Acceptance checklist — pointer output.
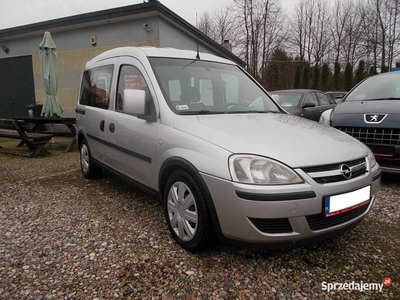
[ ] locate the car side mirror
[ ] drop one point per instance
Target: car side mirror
(309, 104)
(134, 102)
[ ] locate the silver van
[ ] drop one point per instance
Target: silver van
(225, 160)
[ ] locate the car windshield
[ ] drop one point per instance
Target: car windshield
(377, 88)
(202, 87)
(287, 99)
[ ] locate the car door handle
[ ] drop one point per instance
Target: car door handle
(102, 125)
(111, 127)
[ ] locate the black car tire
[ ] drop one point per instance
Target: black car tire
(89, 169)
(186, 212)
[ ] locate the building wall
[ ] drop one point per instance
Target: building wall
(74, 49)
(170, 36)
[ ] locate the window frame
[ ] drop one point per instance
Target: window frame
(108, 85)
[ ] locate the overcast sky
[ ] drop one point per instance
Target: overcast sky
(21, 12)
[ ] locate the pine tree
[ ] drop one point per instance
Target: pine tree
(348, 77)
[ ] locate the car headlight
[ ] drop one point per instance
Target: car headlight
(260, 170)
(325, 117)
(371, 158)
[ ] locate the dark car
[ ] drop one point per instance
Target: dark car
(309, 104)
(336, 95)
(370, 112)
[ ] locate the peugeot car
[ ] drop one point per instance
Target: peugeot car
(370, 112)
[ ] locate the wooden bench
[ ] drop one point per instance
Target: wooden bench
(13, 129)
(39, 124)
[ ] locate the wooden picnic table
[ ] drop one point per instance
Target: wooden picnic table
(15, 129)
(39, 122)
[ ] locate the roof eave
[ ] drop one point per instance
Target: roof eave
(120, 12)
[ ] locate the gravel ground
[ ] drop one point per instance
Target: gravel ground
(64, 237)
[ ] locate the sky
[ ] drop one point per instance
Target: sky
(22, 12)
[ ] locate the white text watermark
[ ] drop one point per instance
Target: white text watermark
(356, 286)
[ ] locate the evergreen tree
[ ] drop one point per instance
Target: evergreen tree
(336, 77)
(306, 77)
(372, 71)
(385, 69)
(316, 78)
(348, 77)
(297, 78)
(360, 73)
(325, 77)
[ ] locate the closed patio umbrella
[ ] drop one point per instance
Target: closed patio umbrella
(48, 64)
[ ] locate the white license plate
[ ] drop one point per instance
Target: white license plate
(338, 204)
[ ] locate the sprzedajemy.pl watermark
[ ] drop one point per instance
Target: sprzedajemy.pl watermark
(356, 286)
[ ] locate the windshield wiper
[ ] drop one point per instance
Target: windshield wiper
(389, 98)
(209, 112)
(199, 112)
(251, 112)
(374, 99)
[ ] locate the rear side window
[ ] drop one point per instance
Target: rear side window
(95, 89)
(323, 99)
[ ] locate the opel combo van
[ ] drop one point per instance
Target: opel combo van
(225, 160)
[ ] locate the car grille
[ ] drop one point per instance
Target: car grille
(332, 173)
(318, 222)
(272, 225)
(373, 135)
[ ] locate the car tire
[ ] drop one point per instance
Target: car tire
(186, 212)
(89, 169)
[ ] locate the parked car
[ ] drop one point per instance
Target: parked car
(336, 95)
(224, 159)
(370, 112)
(309, 104)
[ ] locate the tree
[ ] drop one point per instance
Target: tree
(297, 78)
(261, 32)
(325, 77)
(360, 72)
(306, 77)
(348, 77)
(336, 77)
(278, 71)
(224, 25)
(316, 78)
(322, 37)
(380, 22)
(206, 24)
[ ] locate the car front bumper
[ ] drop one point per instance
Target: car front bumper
(288, 213)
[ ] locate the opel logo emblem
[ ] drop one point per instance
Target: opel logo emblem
(346, 171)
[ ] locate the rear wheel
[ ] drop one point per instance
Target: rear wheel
(89, 169)
(186, 212)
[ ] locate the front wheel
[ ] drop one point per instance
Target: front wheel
(186, 212)
(89, 169)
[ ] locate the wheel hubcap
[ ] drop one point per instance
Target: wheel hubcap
(182, 211)
(84, 158)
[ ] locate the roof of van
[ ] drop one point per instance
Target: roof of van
(141, 52)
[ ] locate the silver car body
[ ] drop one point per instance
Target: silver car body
(140, 150)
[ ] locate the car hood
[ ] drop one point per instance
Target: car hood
(352, 113)
(295, 141)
